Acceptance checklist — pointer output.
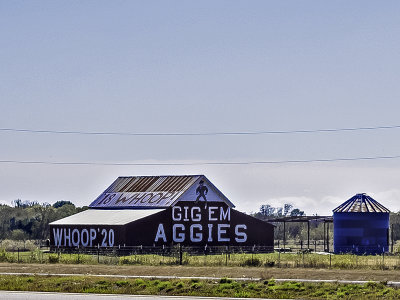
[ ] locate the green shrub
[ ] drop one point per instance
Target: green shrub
(3, 255)
(140, 283)
(121, 283)
(271, 282)
(252, 286)
(164, 285)
(196, 286)
(128, 261)
(225, 280)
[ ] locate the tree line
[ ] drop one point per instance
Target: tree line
(29, 220)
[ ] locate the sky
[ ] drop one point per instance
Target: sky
(201, 67)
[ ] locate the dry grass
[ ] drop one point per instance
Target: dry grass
(283, 260)
(232, 272)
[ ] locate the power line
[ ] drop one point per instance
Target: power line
(227, 133)
(199, 163)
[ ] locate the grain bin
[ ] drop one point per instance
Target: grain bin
(361, 226)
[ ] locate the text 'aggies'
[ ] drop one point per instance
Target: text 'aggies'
(216, 229)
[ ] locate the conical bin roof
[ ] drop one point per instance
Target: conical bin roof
(361, 203)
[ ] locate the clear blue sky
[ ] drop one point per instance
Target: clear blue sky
(202, 66)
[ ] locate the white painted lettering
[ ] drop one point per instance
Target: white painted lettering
(186, 213)
(178, 215)
(93, 235)
(196, 237)
(75, 242)
(67, 237)
(222, 231)
(181, 236)
(111, 237)
(196, 217)
(85, 241)
(57, 234)
(210, 227)
(104, 234)
(241, 237)
(211, 212)
(225, 215)
(160, 233)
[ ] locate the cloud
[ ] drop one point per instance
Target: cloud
(389, 199)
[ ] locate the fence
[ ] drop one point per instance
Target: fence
(203, 256)
(301, 245)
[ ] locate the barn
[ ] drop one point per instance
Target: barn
(154, 211)
(361, 226)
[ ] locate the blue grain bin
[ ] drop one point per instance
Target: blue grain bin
(361, 226)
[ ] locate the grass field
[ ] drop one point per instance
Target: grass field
(224, 287)
(267, 267)
(202, 271)
(281, 260)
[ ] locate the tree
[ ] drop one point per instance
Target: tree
(40, 226)
(267, 210)
(23, 204)
(287, 208)
(30, 219)
(61, 203)
(296, 212)
(17, 203)
(19, 235)
(279, 211)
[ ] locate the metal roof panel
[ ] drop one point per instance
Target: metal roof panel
(152, 192)
(361, 203)
(106, 217)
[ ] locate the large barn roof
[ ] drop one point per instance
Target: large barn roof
(361, 203)
(104, 217)
(156, 192)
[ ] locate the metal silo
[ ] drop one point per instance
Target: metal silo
(361, 226)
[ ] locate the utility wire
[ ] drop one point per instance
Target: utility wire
(25, 130)
(199, 163)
